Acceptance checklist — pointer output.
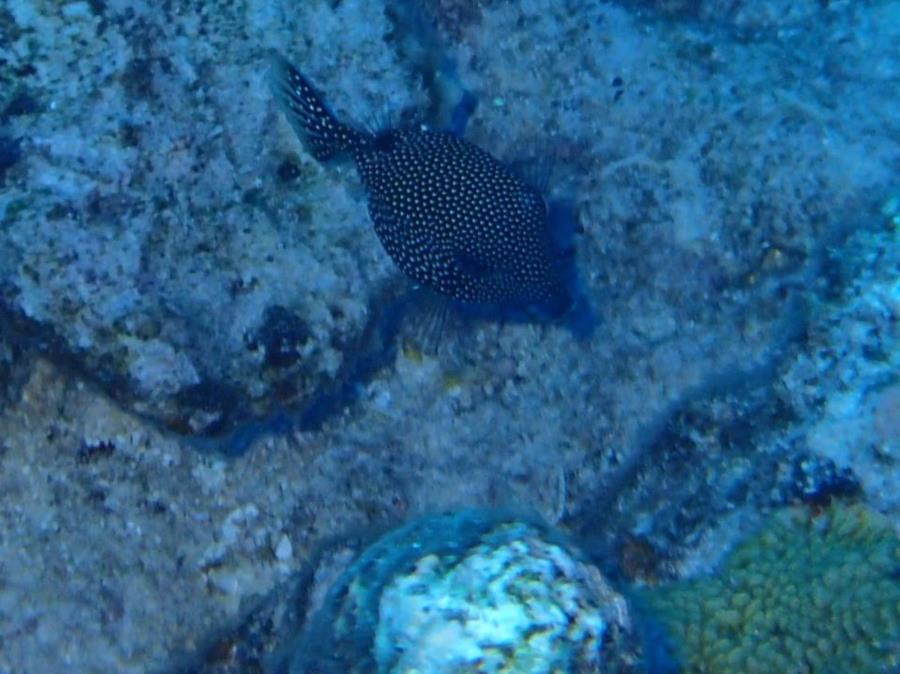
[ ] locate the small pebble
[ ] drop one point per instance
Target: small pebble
(284, 550)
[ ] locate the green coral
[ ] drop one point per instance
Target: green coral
(811, 594)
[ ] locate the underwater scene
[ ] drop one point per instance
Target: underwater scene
(450, 337)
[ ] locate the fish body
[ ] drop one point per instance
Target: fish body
(451, 216)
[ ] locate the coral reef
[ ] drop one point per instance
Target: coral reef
(167, 247)
(468, 592)
(156, 212)
(812, 593)
(147, 235)
(844, 384)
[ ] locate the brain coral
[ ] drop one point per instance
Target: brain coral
(808, 595)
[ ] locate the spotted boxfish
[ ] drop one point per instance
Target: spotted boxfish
(451, 216)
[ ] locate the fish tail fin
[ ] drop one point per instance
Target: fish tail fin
(321, 132)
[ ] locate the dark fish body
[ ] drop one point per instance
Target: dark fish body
(452, 217)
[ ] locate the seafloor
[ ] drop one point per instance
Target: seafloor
(210, 369)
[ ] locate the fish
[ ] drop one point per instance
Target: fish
(450, 215)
